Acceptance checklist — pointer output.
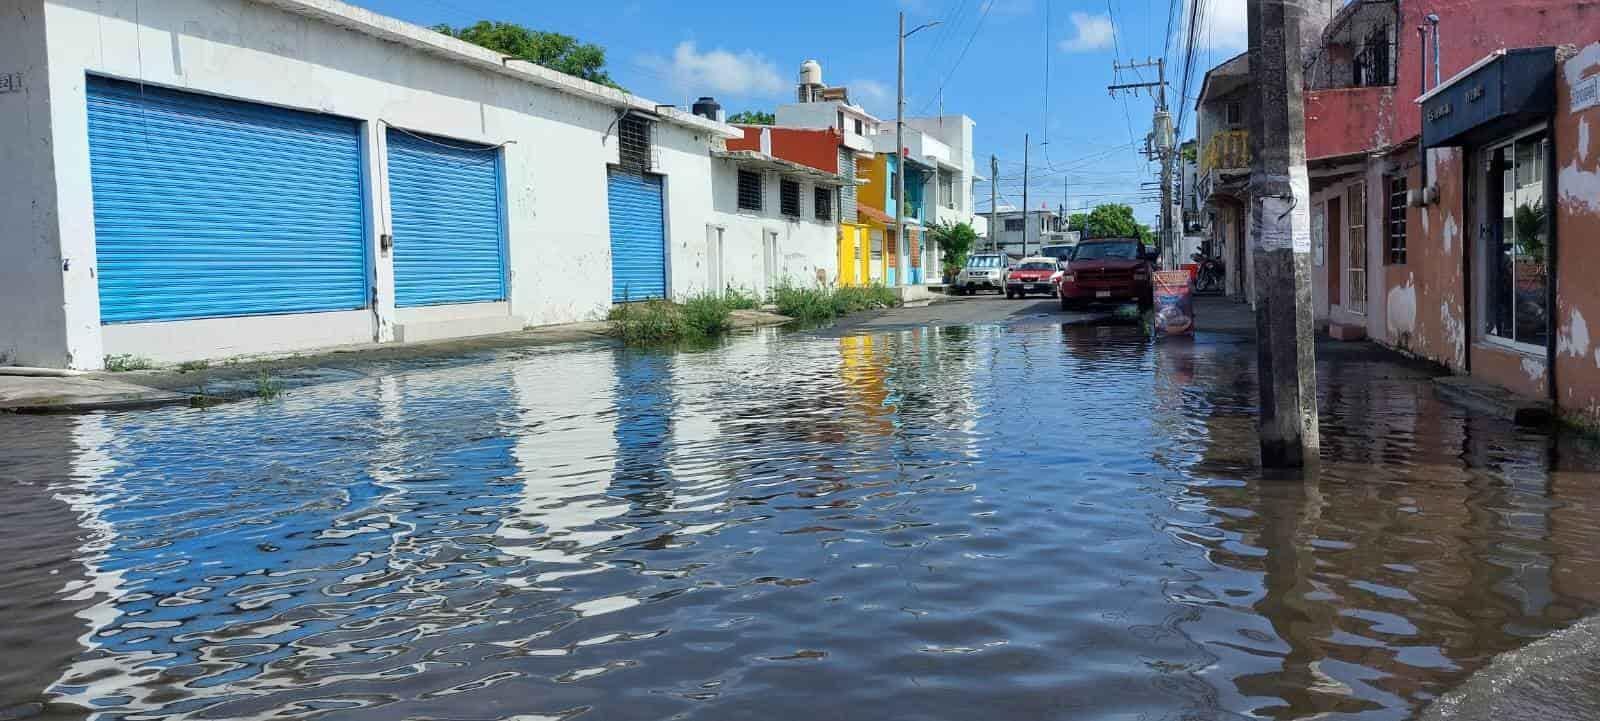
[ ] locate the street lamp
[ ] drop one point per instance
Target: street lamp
(899, 142)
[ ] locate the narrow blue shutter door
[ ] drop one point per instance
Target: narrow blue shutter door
(444, 197)
(205, 207)
(638, 236)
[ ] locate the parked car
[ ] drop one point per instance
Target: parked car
(1108, 270)
(1057, 251)
(1031, 275)
(984, 271)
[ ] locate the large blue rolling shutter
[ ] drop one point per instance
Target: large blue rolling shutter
(206, 207)
(444, 196)
(638, 236)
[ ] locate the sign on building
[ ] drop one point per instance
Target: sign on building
(11, 83)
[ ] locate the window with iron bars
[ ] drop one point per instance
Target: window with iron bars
(822, 200)
(789, 198)
(1397, 220)
(947, 190)
(1373, 64)
(633, 143)
(749, 190)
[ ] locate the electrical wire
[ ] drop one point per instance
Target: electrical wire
(987, 6)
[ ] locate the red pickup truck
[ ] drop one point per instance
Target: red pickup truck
(1107, 270)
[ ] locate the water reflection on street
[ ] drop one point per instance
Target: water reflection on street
(1001, 522)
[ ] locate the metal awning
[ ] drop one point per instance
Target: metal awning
(762, 161)
(1504, 91)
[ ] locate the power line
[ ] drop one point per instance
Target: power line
(987, 6)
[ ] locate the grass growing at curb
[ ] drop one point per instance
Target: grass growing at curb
(705, 315)
(815, 305)
(191, 366)
(267, 388)
(127, 362)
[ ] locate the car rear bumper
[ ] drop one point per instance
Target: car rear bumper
(1105, 293)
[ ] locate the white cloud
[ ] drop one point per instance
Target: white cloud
(1224, 26)
(869, 91)
(720, 71)
(1091, 32)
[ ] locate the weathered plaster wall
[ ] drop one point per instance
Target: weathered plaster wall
(804, 245)
(34, 272)
(1433, 281)
(1577, 150)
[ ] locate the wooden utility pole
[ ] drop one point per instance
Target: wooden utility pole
(1025, 224)
(1280, 236)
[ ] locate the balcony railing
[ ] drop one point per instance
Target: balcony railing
(1226, 150)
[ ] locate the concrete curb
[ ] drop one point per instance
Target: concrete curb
(1556, 678)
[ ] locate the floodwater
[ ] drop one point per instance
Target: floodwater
(998, 522)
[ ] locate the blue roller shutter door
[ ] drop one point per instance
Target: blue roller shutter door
(444, 197)
(638, 236)
(205, 207)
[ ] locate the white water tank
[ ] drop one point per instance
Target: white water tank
(811, 73)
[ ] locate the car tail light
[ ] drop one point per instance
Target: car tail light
(1068, 278)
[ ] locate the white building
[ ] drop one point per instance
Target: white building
(776, 222)
(1019, 236)
(951, 192)
(194, 179)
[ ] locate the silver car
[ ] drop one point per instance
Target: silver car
(984, 271)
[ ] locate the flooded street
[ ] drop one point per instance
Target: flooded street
(1025, 521)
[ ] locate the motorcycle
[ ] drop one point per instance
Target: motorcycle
(1210, 277)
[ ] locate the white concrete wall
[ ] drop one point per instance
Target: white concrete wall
(805, 245)
(826, 115)
(555, 162)
(35, 274)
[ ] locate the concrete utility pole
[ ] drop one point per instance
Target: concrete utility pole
(994, 209)
(901, 263)
(1025, 224)
(1161, 145)
(1280, 235)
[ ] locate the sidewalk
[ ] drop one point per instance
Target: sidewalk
(238, 379)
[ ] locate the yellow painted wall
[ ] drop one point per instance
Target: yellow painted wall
(875, 191)
(854, 254)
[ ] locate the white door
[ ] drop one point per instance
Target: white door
(714, 282)
(769, 259)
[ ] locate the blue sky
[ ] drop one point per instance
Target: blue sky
(747, 54)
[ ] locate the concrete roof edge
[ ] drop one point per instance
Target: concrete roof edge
(779, 165)
(383, 27)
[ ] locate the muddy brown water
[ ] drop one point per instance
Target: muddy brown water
(999, 522)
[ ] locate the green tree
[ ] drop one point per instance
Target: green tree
(1112, 220)
(562, 53)
(753, 117)
(955, 242)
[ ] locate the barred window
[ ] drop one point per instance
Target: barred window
(1397, 220)
(789, 198)
(749, 190)
(633, 138)
(823, 198)
(1014, 225)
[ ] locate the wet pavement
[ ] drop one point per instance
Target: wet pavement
(1015, 520)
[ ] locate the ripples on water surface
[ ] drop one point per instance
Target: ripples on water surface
(1002, 523)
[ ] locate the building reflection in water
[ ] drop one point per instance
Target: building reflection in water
(1420, 549)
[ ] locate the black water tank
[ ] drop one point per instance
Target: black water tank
(706, 107)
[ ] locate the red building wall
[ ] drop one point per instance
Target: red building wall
(1344, 121)
(1577, 149)
(814, 148)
